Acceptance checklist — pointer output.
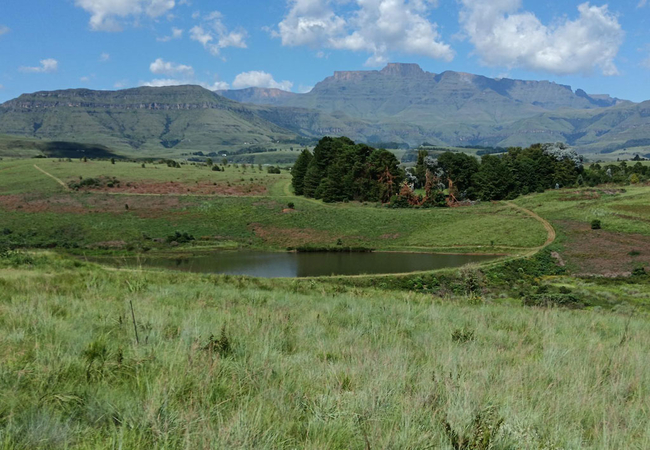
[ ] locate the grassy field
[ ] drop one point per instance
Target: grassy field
(442, 360)
(622, 243)
(233, 363)
(246, 206)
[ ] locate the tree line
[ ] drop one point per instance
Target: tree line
(340, 170)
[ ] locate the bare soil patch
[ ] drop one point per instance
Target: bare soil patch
(601, 252)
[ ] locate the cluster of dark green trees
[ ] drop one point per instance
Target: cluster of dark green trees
(497, 177)
(340, 170)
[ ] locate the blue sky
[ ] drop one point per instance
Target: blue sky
(111, 44)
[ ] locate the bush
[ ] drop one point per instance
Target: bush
(595, 224)
(551, 300)
(180, 238)
(639, 272)
(291, 205)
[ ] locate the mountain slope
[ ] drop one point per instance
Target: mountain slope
(146, 120)
(401, 104)
(407, 93)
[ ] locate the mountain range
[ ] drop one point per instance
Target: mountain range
(400, 103)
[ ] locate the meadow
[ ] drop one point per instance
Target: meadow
(93, 357)
(242, 207)
(224, 362)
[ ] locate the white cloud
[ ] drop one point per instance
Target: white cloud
(642, 3)
(104, 57)
(214, 35)
(48, 65)
(504, 36)
(84, 79)
(1, 87)
(121, 84)
(161, 67)
(302, 89)
(378, 27)
(160, 82)
(259, 79)
(4, 29)
(178, 74)
(177, 33)
(107, 15)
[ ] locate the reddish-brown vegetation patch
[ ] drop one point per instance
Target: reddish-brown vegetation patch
(642, 210)
(108, 245)
(576, 196)
(142, 206)
(178, 188)
(600, 252)
(291, 237)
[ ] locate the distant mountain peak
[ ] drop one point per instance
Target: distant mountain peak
(402, 69)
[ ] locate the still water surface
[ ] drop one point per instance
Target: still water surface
(276, 265)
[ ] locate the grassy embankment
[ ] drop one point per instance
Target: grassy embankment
(231, 208)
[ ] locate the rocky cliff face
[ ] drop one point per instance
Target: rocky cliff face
(144, 98)
(407, 90)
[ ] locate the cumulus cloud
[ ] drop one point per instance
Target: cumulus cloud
(177, 33)
(104, 57)
(378, 27)
(162, 67)
(48, 65)
(505, 36)
(259, 79)
(4, 29)
(215, 36)
(161, 82)
(84, 79)
(107, 15)
(178, 74)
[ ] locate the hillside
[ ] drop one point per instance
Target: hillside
(143, 120)
(401, 104)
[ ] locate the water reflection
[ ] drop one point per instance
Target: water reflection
(275, 265)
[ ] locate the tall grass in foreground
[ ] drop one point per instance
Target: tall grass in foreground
(224, 364)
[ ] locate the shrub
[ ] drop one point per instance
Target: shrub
(179, 237)
(291, 205)
(551, 300)
(595, 224)
(639, 272)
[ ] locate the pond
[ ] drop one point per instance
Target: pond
(291, 265)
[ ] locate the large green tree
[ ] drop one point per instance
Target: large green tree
(341, 170)
(299, 170)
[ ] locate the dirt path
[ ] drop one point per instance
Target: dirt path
(550, 231)
(53, 177)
